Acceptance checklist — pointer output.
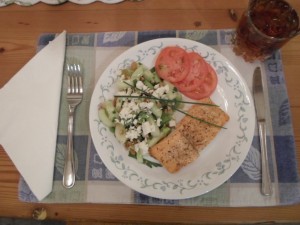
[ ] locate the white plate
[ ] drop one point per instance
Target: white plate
(217, 162)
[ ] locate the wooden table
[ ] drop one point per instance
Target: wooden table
(20, 28)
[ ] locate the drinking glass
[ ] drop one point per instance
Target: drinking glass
(265, 27)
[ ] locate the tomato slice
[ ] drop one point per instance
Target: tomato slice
(198, 70)
(206, 88)
(172, 64)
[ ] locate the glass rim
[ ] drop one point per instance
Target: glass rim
(265, 35)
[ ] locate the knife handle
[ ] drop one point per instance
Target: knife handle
(266, 180)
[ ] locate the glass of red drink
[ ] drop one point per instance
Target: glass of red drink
(264, 28)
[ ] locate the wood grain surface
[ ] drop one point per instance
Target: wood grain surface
(20, 28)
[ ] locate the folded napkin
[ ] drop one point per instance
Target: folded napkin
(29, 116)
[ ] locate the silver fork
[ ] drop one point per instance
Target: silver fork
(74, 97)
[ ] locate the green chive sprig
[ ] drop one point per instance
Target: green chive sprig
(150, 96)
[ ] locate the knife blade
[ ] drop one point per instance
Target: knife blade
(259, 101)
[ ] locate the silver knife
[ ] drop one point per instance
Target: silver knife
(258, 94)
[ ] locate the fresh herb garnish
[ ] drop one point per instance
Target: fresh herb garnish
(149, 96)
(201, 120)
(165, 100)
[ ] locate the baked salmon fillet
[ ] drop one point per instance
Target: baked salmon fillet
(190, 136)
(174, 151)
(200, 134)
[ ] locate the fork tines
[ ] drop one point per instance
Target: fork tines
(75, 84)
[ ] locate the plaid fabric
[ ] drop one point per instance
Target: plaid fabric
(96, 184)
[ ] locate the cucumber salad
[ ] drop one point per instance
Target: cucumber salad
(141, 112)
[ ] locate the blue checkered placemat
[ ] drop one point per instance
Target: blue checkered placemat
(96, 184)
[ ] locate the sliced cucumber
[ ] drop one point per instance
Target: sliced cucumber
(178, 97)
(172, 93)
(149, 76)
(171, 86)
(142, 117)
(137, 73)
(156, 111)
(163, 133)
(156, 131)
(139, 156)
(148, 84)
(166, 118)
(156, 78)
(119, 103)
(104, 118)
(110, 109)
(121, 85)
(120, 133)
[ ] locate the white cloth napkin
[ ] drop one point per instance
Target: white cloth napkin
(29, 113)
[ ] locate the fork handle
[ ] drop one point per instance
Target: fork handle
(69, 168)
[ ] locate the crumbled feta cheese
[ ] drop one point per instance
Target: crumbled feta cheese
(146, 105)
(161, 91)
(156, 86)
(132, 134)
(147, 128)
(139, 129)
(129, 110)
(119, 121)
(124, 113)
(143, 146)
(134, 106)
(141, 85)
